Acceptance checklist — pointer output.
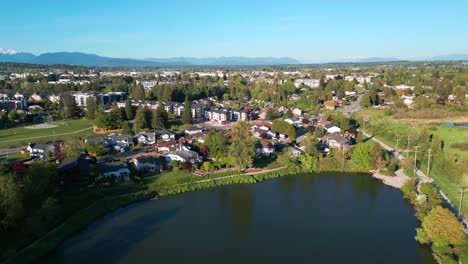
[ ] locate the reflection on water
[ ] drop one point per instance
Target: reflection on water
(327, 218)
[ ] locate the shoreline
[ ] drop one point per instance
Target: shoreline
(396, 181)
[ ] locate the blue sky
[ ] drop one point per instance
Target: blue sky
(310, 31)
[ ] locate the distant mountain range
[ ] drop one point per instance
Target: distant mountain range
(78, 58)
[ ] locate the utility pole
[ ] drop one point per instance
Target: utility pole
(415, 158)
(462, 193)
(429, 163)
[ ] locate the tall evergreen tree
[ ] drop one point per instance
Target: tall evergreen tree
(128, 110)
(162, 113)
(138, 92)
(70, 108)
(156, 121)
(91, 107)
(142, 120)
(187, 114)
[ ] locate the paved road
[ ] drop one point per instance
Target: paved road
(9, 151)
(354, 106)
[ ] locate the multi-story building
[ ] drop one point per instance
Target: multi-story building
(218, 115)
(101, 98)
(312, 83)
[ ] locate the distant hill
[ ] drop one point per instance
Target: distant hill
(17, 57)
(79, 58)
(226, 61)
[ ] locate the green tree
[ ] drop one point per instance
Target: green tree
(187, 114)
(11, 207)
(91, 107)
(361, 155)
(70, 108)
(126, 129)
(13, 115)
(162, 113)
(138, 92)
(129, 110)
(116, 117)
(284, 127)
(141, 118)
(270, 114)
(72, 148)
(365, 101)
(309, 163)
(102, 120)
(216, 143)
(96, 148)
(242, 149)
(40, 182)
(157, 122)
(441, 228)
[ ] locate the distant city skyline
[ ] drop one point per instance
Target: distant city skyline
(309, 31)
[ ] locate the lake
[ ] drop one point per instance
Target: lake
(325, 218)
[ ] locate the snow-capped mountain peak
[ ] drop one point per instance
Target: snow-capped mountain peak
(8, 51)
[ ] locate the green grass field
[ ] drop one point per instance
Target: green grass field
(385, 127)
(19, 136)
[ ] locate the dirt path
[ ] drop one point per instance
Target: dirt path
(232, 176)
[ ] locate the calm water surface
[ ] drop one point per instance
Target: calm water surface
(327, 218)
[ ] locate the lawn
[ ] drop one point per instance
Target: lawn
(19, 136)
(170, 178)
(385, 128)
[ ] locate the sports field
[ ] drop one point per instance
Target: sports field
(62, 129)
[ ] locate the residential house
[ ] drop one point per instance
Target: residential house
(296, 151)
(332, 129)
(166, 135)
(146, 138)
(54, 98)
(335, 140)
(297, 112)
(74, 169)
(184, 156)
(167, 146)
(106, 142)
(39, 149)
(122, 142)
(264, 148)
(294, 121)
(119, 170)
(145, 164)
(194, 131)
(35, 97)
